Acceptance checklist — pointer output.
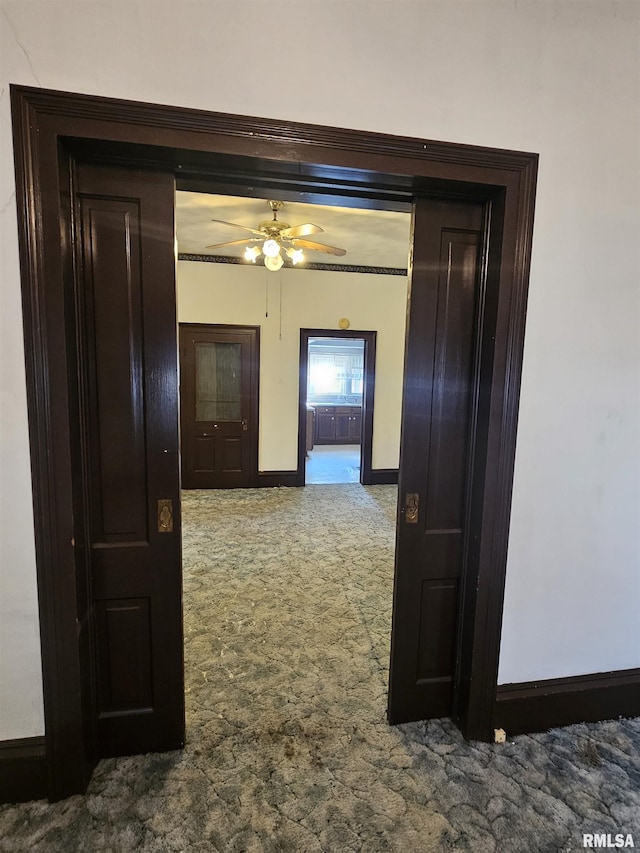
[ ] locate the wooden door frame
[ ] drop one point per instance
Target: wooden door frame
(327, 165)
(255, 383)
(368, 396)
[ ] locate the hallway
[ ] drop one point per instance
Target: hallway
(287, 625)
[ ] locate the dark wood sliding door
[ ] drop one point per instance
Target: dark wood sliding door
(126, 356)
(435, 452)
(219, 372)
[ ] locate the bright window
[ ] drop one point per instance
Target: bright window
(335, 369)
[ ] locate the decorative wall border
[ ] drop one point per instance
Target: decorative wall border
(226, 259)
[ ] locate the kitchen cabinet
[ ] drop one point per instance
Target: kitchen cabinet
(325, 424)
(338, 424)
(355, 429)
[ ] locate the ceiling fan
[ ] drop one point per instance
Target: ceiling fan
(272, 238)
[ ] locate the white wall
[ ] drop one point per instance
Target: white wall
(559, 78)
(225, 293)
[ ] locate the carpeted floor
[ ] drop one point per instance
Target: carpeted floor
(287, 620)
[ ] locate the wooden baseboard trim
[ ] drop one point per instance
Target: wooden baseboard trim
(23, 770)
(536, 706)
(272, 479)
(382, 477)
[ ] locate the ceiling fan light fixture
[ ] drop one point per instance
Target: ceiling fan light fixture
(274, 239)
(271, 249)
(251, 253)
(273, 264)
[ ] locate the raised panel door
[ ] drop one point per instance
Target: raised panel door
(219, 370)
(125, 304)
(437, 407)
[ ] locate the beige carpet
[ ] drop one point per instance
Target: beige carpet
(287, 621)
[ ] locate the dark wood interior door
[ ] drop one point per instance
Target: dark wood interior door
(219, 372)
(435, 449)
(126, 355)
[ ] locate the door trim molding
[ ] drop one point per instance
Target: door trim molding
(329, 165)
(368, 397)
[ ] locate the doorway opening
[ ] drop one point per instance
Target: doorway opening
(313, 550)
(336, 406)
(54, 132)
(335, 385)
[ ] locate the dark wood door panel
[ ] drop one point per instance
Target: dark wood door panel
(436, 649)
(232, 454)
(124, 655)
(453, 373)
(219, 370)
(438, 607)
(113, 317)
(437, 409)
(122, 569)
(127, 358)
(205, 454)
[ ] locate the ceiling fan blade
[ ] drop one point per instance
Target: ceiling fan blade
(237, 225)
(230, 243)
(318, 247)
(301, 230)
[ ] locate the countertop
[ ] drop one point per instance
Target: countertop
(333, 403)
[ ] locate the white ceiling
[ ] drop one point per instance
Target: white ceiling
(375, 238)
